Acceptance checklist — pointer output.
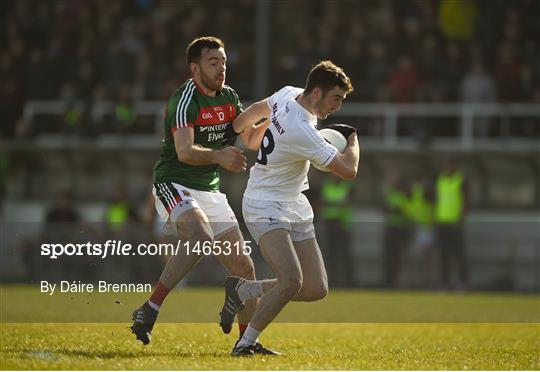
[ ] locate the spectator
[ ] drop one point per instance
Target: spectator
(37, 76)
(337, 213)
(74, 109)
(116, 66)
(404, 80)
(419, 208)
(450, 211)
(124, 113)
(454, 68)
(11, 94)
(376, 72)
(62, 210)
(397, 230)
(429, 62)
(507, 74)
(117, 213)
(457, 19)
(479, 87)
(61, 222)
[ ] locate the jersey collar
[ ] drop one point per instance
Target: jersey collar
(306, 113)
(201, 91)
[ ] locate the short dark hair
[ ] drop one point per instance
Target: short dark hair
(326, 75)
(195, 48)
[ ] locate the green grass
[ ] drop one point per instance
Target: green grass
(307, 346)
(27, 304)
(372, 342)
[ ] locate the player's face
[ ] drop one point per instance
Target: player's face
(212, 68)
(330, 102)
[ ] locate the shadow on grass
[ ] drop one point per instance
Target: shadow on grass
(53, 354)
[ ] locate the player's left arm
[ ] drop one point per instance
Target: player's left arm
(252, 136)
(252, 123)
(345, 165)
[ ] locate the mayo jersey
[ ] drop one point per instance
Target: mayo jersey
(289, 144)
(209, 118)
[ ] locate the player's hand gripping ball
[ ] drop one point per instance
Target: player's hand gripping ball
(334, 138)
(344, 129)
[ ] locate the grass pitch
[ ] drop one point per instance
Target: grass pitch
(357, 344)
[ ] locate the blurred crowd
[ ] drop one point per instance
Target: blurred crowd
(418, 50)
(83, 52)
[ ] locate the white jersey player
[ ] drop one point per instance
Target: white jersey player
(273, 197)
(276, 212)
(291, 139)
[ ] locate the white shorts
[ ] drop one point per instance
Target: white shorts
(262, 216)
(172, 200)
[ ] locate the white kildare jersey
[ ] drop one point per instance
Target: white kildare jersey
(289, 144)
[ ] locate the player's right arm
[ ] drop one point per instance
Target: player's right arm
(310, 145)
(345, 165)
(229, 158)
(181, 114)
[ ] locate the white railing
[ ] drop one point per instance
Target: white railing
(388, 114)
(466, 112)
(34, 108)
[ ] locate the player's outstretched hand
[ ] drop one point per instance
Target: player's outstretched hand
(344, 129)
(230, 158)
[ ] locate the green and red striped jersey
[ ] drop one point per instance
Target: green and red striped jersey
(209, 117)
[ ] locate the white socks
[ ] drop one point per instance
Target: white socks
(249, 289)
(153, 305)
(250, 337)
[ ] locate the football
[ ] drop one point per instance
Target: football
(336, 139)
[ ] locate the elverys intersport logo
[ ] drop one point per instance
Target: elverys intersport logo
(213, 132)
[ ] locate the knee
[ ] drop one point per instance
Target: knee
(316, 293)
(315, 289)
(291, 284)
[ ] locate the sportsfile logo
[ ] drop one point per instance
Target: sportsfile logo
(119, 248)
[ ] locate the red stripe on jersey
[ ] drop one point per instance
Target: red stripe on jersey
(178, 198)
(216, 115)
(174, 129)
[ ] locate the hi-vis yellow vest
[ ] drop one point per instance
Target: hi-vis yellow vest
(418, 208)
(449, 208)
(336, 206)
(396, 202)
(117, 214)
